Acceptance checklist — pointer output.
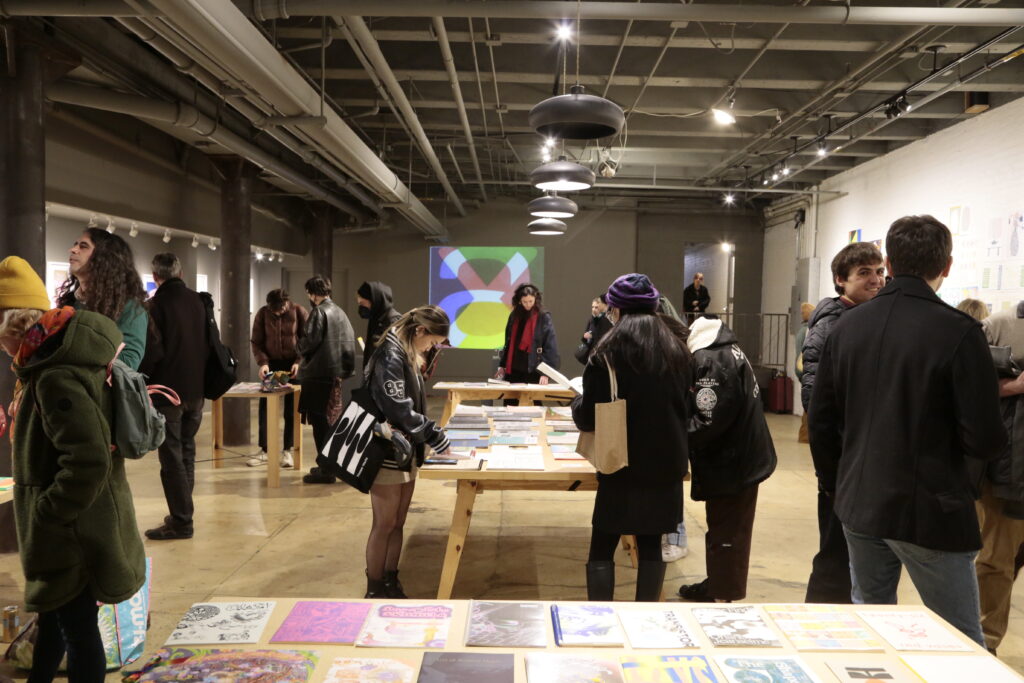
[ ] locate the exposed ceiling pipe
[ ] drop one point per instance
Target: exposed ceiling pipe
(618, 56)
(556, 9)
(228, 37)
(368, 44)
(453, 77)
(187, 116)
(480, 95)
(66, 8)
(186, 64)
(613, 185)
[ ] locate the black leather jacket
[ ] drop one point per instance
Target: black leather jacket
(328, 348)
(397, 389)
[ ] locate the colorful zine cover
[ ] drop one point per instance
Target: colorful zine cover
(868, 669)
(369, 670)
(237, 666)
(467, 667)
(314, 621)
(553, 667)
(939, 669)
(506, 624)
(735, 627)
(209, 623)
(668, 669)
(123, 626)
(823, 627)
(656, 628)
(406, 625)
(913, 631)
(584, 625)
(766, 669)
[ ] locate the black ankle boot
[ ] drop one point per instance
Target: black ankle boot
(375, 588)
(601, 581)
(650, 576)
(393, 587)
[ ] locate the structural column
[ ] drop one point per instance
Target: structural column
(323, 241)
(235, 265)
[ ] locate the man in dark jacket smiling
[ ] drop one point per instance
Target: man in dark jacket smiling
(906, 392)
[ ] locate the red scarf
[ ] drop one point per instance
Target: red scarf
(52, 322)
(525, 341)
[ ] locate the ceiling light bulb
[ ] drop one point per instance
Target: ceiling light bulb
(195, 241)
(822, 150)
(775, 176)
(723, 117)
(167, 236)
(564, 32)
(764, 181)
(550, 142)
(212, 245)
(259, 255)
(785, 170)
(729, 199)
(726, 247)
(134, 230)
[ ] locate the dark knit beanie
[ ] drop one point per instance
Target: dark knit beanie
(633, 292)
(365, 291)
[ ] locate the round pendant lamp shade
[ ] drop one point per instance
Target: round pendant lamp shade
(547, 226)
(552, 206)
(577, 116)
(562, 176)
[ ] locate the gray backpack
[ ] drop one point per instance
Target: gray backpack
(138, 427)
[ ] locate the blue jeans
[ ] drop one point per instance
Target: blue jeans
(945, 580)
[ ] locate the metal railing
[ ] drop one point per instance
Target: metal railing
(764, 337)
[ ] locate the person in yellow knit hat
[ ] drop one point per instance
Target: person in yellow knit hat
(77, 534)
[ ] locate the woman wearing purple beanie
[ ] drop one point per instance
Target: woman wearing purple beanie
(654, 372)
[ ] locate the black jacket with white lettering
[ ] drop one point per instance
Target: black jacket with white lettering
(730, 446)
(397, 389)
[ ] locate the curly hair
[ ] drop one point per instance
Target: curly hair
(527, 289)
(113, 280)
(15, 322)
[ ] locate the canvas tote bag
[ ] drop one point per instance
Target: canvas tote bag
(606, 447)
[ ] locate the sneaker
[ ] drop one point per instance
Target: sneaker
(671, 553)
(286, 460)
(257, 460)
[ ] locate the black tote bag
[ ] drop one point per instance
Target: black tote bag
(355, 450)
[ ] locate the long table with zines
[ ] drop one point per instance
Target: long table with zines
(456, 641)
(526, 394)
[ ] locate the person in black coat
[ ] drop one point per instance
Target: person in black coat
(597, 327)
(731, 453)
(376, 306)
(696, 298)
(906, 395)
(529, 339)
(654, 373)
(176, 354)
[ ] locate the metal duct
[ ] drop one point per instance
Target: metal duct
(187, 116)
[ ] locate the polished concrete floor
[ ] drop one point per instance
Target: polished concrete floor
(308, 540)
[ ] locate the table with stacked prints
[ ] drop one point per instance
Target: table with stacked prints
(483, 641)
(494, 390)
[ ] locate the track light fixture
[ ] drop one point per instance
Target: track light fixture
(259, 255)
(212, 245)
(110, 225)
(92, 222)
(195, 241)
(564, 32)
(133, 231)
(822, 149)
(167, 237)
(723, 117)
(897, 106)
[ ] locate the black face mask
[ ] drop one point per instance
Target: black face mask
(364, 312)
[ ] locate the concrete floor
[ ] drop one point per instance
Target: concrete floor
(308, 540)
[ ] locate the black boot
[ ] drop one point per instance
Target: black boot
(375, 588)
(650, 576)
(601, 581)
(393, 587)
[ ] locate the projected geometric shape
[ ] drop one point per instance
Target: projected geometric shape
(474, 286)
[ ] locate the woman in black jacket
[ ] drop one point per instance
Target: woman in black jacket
(529, 339)
(653, 369)
(394, 376)
(731, 453)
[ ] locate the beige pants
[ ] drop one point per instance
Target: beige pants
(1001, 538)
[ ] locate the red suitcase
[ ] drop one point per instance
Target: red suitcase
(780, 394)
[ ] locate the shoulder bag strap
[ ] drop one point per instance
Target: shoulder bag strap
(612, 378)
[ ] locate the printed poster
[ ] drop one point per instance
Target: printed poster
(913, 631)
(208, 623)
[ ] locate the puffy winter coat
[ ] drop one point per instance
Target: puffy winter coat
(819, 326)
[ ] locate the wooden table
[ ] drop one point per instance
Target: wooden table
(526, 394)
(273, 428)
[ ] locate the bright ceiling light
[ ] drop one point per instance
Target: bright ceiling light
(562, 176)
(729, 199)
(564, 32)
(822, 149)
(785, 170)
(550, 142)
(726, 247)
(552, 206)
(775, 175)
(723, 117)
(547, 226)
(259, 255)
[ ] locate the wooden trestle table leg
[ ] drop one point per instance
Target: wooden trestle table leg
(465, 497)
(217, 413)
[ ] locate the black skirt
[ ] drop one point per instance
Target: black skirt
(624, 506)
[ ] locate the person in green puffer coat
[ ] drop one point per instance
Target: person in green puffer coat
(78, 538)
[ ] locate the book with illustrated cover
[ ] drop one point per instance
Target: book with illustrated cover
(940, 669)
(467, 667)
(913, 630)
(210, 623)
(406, 625)
(668, 669)
(869, 669)
(585, 625)
(507, 624)
(554, 667)
(735, 627)
(195, 664)
(369, 670)
(656, 628)
(823, 627)
(766, 669)
(314, 621)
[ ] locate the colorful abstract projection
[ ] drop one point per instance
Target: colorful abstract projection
(474, 286)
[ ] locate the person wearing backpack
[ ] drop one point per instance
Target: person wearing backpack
(176, 357)
(77, 535)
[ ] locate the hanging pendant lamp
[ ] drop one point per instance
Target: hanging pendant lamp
(547, 226)
(562, 176)
(552, 206)
(577, 116)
